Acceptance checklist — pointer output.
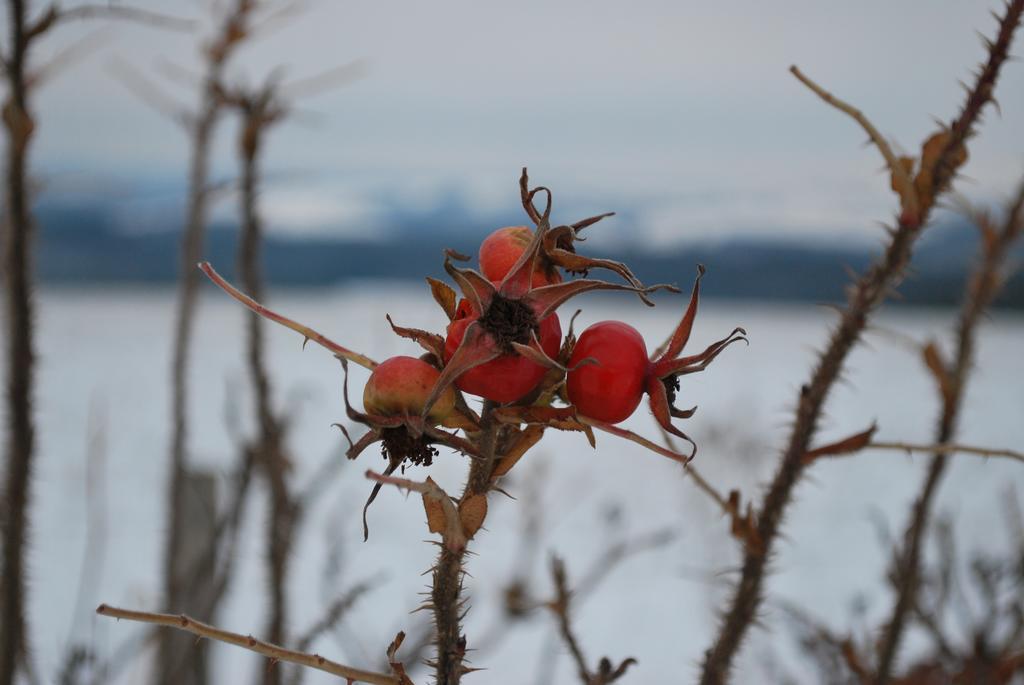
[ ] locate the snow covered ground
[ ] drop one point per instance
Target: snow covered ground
(104, 362)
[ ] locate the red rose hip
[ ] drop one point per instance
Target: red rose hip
(502, 249)
(399, 386)
(510, 376)
(611, 389)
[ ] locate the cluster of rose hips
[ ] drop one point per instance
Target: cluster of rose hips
(504, 339)
(504, 343)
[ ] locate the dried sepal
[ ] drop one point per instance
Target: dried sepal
(663, 412)
(638, 439)
(547, 299)
(477, 347)
(431, 342)
(474, 285)
(459, 419)
(452, 440)
(681, 335)
(444, 295)
(548, 416)
(698, 362)
(535, 353)
(555, 246)
(527, 194)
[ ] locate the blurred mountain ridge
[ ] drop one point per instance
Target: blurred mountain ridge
(82, 243)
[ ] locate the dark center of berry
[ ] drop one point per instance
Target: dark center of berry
(509, 321)
(398, 446)
(671, 388)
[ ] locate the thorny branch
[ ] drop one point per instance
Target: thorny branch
(446, 580)
(231, 33)
(271, 651)
(904, 185)
(866, 294)
(948, 448)
(984, 284)
(19, 125)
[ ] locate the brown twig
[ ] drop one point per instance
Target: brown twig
(905, 186)
(866, 294)
(606, 672)
(305, 331)
(984, 285)
(260, 110)
(230, 34)
(20, 447)
(948, 448)
(19, 125)
(271, 651)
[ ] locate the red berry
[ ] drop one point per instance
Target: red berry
(399, 386)
(502, 249)
(510, 376)
(611, 389)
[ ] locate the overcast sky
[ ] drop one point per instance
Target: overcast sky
(685, 109)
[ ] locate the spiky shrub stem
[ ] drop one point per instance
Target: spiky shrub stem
(446, 593)
(867, 293)
(985, 283)
(203, 126)
(20, 445)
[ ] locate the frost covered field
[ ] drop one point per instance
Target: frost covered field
(104, 362)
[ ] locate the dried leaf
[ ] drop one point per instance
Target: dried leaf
(933, 360)
(523, 442)
(907, 163)
(931, 151)
(472, 512)
(444, 295)
(854, 443)
(744, 524)
(397, 667)
(932, 148)
(436, 520)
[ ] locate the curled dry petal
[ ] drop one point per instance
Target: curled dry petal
(474, 286)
